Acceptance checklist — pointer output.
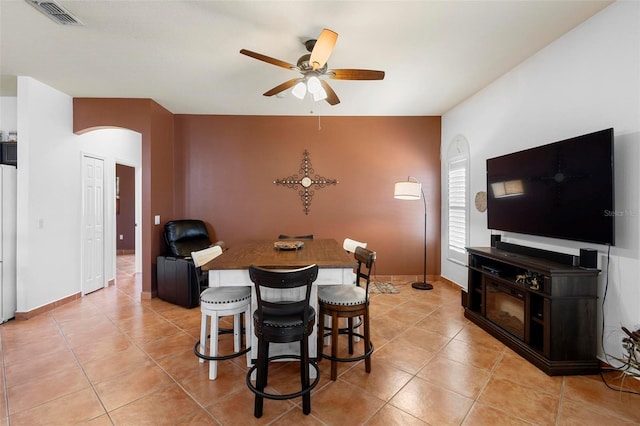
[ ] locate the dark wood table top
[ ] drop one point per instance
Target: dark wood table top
(326, 253)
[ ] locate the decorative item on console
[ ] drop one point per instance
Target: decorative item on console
(530, 279)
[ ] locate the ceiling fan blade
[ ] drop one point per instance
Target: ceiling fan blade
(282, 87)
(352, 74)
(323, 48)
(332, 98)
(268, 59)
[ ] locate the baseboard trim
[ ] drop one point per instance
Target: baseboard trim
(22, 316)
(449, 282)
(411, 278)
(146, 295)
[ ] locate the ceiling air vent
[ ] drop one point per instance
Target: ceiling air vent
(56, 12)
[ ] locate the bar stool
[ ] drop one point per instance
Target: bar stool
(217, 302)
(279, 319)
(347, 301)
(349, 246)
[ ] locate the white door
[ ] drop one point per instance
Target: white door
(93, 224)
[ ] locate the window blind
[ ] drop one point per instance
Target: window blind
(457, 196)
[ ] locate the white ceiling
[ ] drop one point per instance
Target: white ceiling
(185, 54)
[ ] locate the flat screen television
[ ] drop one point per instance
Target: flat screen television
(561, 190)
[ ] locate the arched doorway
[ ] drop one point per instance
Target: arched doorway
(116, 146)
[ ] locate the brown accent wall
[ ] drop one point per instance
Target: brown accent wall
(126, 209)
(229, 163)
(221, 169)
(155, 124)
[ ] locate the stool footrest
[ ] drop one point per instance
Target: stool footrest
(253, 389)
(220, 357)
(344, 330)
(350, 359)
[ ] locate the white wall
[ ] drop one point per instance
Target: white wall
(8, 115)
(49, 193)
(587, 80)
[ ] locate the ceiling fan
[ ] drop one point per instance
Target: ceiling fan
(314, 69)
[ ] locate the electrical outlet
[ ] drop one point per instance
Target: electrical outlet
(121, 237)
(157, 219)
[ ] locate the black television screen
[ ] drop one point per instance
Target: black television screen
(560, 190)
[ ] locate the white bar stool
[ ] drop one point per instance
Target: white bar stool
(217, 302)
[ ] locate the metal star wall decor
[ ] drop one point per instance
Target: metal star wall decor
(306, 182)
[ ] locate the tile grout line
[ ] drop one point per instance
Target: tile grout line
(153, 360)
(75, 357)
(560, 401)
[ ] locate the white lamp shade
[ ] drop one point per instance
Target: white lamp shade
(320, 95)
(299, 90)
(313, 84)
(407, 190)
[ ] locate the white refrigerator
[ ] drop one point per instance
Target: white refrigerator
(8, 189)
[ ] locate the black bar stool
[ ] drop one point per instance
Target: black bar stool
(284, 315)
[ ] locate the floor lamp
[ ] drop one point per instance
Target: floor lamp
(412, 190)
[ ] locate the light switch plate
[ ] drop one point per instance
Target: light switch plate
(157, 219)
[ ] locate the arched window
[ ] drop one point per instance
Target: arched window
(457, 163)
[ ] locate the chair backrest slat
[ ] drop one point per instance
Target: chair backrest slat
(201, 257)
(366, 259)
(350, 245)
(281, 282)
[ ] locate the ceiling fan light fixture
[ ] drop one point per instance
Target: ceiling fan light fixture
(314, 69)
(313, 84)
(299, 90)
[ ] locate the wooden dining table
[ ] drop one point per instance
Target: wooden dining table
(231, 268)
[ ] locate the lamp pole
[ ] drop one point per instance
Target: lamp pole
(424, 285)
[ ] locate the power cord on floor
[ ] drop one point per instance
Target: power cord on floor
(603, 370)
(615, 388)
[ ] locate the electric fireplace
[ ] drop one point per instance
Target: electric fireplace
(505, 307)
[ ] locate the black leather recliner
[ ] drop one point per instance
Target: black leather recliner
(179, 281)
(184, 236)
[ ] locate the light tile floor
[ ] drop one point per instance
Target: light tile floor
(110, 358)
